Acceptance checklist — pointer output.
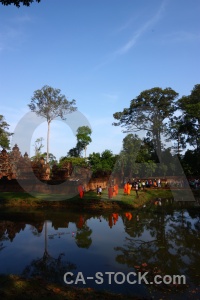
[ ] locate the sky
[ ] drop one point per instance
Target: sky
(102, 53)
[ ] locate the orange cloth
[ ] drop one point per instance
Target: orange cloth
(125, 188)
(81, 222)
(110, 222)
(128, 188)
(80, 190)
(116, 188)
(128, 215)
(110, 192)
(115, 217)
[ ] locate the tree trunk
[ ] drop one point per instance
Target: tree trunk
(48, 133)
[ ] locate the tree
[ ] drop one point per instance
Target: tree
(103, 163)
(73, 152)
(129, 153)
(95, 162)
(147, 112)
(190, 106)
(83, 137)
(18, 2)
(176, 131)
(38, 146)
(4, 134)
(50, 103)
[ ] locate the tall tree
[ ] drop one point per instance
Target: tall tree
(190, 106)
(4, 133)
(129, 154)
(176, 131)
(50, 104)
(18, 2)
(147, 112)
(83, 137)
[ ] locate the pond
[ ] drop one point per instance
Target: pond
(122, 247)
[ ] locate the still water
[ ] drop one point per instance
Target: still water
(48, 243)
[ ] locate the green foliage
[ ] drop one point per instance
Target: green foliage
(4, 134)
(147, 112)
(18, 2)
(102, 163)
(76, 161)
(191, 163)
(50, 104)
(190, 106)
(176, 131)
(83, 140)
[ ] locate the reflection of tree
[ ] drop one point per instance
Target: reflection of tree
(83, 239)
(168, 243)
(48, 267)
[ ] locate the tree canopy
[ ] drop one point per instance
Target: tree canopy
(4, 133)
(148, 112)
(190, 107)
(83, 140)
(83, 137)
(18, 2)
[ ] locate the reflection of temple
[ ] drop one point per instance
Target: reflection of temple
(9, 229)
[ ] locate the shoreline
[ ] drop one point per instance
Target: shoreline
(92, 202)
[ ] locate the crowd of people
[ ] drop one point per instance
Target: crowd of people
(139, 184)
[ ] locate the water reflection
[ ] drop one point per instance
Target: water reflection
(49, 243)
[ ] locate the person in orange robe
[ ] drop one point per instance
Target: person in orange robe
(115, 217)
(110, 221)
(128, 215)
(110, 192)
(81, 222)
(114, 191)
(81, 191)
(129, 188)
(117, 189)
(125, 188)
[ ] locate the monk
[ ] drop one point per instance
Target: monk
(114, 191)
(128, 215)
(81, 191)
(81, 222)
(110, 192)
(129, 186)
(116, 188)
(115, 217)
(110, 221)
(125, 188)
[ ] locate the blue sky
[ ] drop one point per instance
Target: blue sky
(102, 53)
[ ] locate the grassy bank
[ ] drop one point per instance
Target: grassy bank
(15, 287)
(90, 200)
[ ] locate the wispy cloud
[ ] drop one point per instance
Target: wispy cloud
(181, 36)
(138, 33)
(134, 39)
